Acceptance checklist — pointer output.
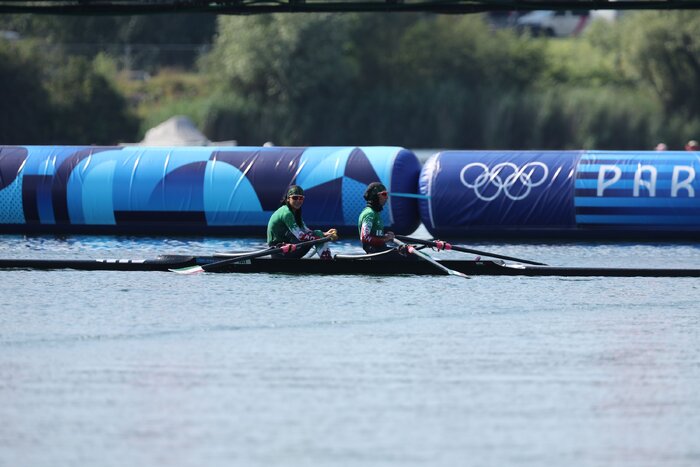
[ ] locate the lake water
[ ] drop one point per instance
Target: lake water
(156, 369)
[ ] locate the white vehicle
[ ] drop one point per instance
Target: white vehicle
(559, 23)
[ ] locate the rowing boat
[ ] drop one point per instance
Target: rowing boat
(341, 265)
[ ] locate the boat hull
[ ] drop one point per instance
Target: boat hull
(389, 267)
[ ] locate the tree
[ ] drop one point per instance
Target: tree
(24, 115)
(141, 41)
(288, 71)
(50, 98)
(364, 79)
(663, 49)
(89, 109)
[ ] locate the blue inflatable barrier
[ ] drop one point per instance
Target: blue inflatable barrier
(196, 190)
(567, 194)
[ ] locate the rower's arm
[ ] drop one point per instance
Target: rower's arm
(366, 236)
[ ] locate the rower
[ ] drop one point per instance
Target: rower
(287, 226)
(370, 224)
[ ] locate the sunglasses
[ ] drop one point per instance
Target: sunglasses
(297, 198)
(383, 193)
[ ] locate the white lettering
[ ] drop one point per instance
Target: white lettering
(602, 182)
(649, 185)
(676, 186)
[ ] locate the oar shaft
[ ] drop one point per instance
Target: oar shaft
(270, 251)
(430, 259)
(287, 248)
(448, 246)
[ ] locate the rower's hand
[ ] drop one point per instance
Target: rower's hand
(389, 237)
(333, 233)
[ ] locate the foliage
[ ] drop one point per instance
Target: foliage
(60, 99)
(580, 62)
(663, 49)
(371, 79)
(97, 114)
(413, 80)
(145, 42)
(24, 117)
(464, 49)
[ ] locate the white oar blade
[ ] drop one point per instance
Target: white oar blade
(449, 271)
(432, 260)
(458, 274)
(188, 270)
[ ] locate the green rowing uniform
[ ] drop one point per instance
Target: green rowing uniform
(371, 229)
(283, 228)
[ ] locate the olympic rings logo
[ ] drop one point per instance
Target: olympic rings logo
(515, 182)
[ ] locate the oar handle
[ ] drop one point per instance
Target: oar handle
(440, 245)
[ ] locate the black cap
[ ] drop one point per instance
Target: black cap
(294, 190)
(373, 190)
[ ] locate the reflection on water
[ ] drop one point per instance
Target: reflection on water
(150, 369)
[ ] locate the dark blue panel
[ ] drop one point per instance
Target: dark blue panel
(323, 207)
(36, 199)
(500, 189)
(180, 190)
(30, 205)
(172, 219)
(359, 168)
(11, 160)
(265, 168)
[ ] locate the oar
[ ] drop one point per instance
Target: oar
(286, 248)
(447, 246)
(428, 258)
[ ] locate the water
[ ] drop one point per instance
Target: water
(156, 369)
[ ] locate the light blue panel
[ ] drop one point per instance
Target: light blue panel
(43, 160)
(321, 165)
(229, 197)
(100, 191)
(645, 155)
(165, 158)
(97, 194)
(382, 160)
(630, 168)
(627, 184)
(353, 202)
(140, 169)
(233, 148)
(11, 211)
(74, 194)
(640, 202)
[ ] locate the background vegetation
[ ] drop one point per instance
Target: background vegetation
(419, 81)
